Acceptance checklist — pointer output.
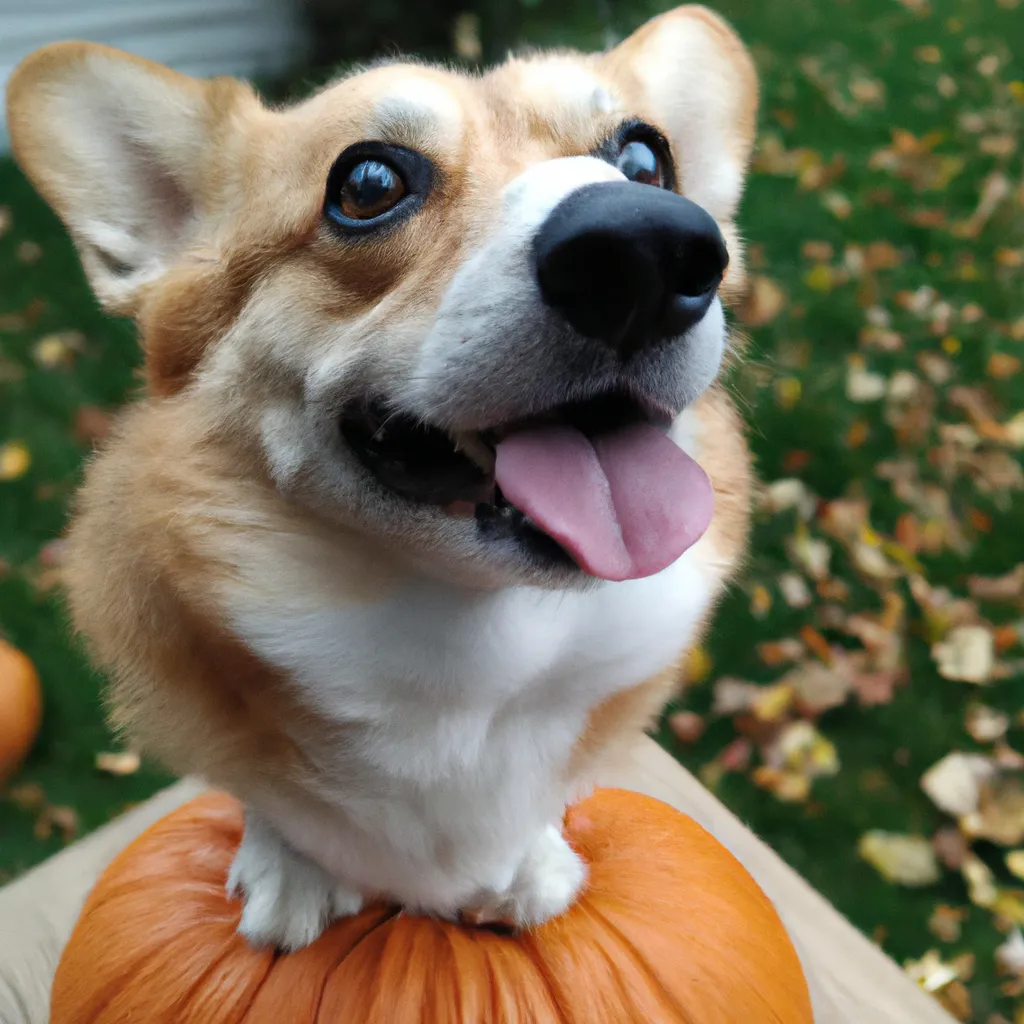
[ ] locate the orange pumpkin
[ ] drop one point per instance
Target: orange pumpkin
(21, 708)
(670, 930)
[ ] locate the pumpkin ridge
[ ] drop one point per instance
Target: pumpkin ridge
(544, 971)
(136, 964)
(256, 991)
(594, 912)
(225, 953)
(389, 917)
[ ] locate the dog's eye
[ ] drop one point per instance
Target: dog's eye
(370, 189)
(374, 186)
(640, 163)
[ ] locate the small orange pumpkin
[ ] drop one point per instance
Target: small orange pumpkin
(21, 708)
(670, 930)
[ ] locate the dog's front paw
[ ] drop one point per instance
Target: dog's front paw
(545, 885)
(289, 900)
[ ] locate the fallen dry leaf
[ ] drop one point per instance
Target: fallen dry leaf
(794, 590)
(999, 816)
(781, 495)
(785, 785)
(15, 460)
(765, 301)
(1010, 955)
(53, 818)
(931, 972)
(1002, 366)
(779, 652)
(985, 724)
(907, 860)
(1008, 587)
(772, 702)
(686, 726)
(732, 696)
(951, 847)
(811, 554)
(864, 386)
(966, 655)
(1015, 863)
(981, 885)
(58, 351)
(946, 923)
(800, 747)
(817, 688)
(954, 783)
(126, 762)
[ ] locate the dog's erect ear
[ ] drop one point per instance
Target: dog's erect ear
(699, 82)
(124, 151)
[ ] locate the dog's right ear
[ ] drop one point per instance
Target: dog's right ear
(125, 151)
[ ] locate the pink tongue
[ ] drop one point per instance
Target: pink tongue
(624, 504)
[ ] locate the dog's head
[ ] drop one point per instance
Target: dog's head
(458, 313)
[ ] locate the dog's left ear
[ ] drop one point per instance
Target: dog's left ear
(128, 153)
(698, 82)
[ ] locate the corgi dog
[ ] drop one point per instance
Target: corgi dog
(432, 484)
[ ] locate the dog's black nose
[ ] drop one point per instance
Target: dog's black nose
(629, 264)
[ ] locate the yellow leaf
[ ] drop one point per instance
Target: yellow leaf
(800, 747)
(981, 885)
(14, 460)
(1010, 907)
(698, 665)
(820, 278)
(773, 702)
(901, 556)
(760, 602)
(790, 787)
(1015, 862)
(787, 392)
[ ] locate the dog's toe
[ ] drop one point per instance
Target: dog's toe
(545, 885)
(289, 900)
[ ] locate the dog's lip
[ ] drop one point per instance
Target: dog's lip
(647, 409)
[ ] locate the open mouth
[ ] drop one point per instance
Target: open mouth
(596, 484)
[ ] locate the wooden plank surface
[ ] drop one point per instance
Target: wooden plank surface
(852, 982)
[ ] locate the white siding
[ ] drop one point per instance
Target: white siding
(198, 37)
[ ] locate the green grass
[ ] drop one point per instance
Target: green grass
(882, 750)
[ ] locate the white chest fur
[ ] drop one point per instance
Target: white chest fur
(459, 711)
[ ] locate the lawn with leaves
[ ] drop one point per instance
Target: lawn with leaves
(859, 702)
